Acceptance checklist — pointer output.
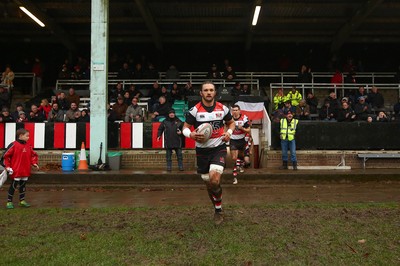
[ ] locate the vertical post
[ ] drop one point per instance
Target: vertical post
(99, 79)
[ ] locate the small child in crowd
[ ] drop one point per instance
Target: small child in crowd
(17, 159)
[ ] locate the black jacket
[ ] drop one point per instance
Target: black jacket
(170, 128)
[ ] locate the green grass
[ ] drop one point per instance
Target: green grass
(283, 234)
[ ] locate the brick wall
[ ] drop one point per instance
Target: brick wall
(330, 158)
(155, 159)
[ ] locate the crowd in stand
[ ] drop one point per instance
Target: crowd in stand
(124, 101)
(353, 106)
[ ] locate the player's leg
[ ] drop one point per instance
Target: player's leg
(11, 192)
(22, 190)
(168, 155)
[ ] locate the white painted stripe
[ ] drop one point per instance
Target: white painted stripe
(39, 135)
(9, 136)
(137, 135)
(70, 135)
(256, 136)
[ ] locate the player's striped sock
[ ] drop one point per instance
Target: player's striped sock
(217, 199)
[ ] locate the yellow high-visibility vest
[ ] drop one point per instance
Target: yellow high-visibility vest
(288, 130)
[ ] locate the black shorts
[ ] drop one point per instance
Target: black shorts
(237, 144)
(208, 156)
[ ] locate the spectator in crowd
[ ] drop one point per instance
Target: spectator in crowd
(151, 72)
(172, 129)
(72, 97)
(134, 92)
(155, 94)
(45, 108)
(127, 98)
(7, 78)
(214, 73)
(334, 102)
(279, 99)
(362, 109)
(120, 108)
(4, 97)
(172, 73)
(376, 99)
(73, 114)
(312, 102)
(64, 72)
(288, 107)
(229, 74)
(125, 72)
(236, 91)
(165, 93)
(304, 75)
(346, 113)
(303, 111)
(134, 112)
(277, 115)
(35, 115)
(63, 103)
(21, 117)
(77, 74)
(360, 93)
(18, 107)
(337, 78)
(246, 89)
(351, 78)
(161, 110)
(295, 96)
(370, 119)
(327, 113)
(174, 94)
(117, 91)
(85, 116)
(382, 117)
(37, 70)
(188, 90)
(138, 71)
(56, 114)
(5, 116)
(111, 117)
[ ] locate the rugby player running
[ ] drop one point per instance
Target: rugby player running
(211, 153)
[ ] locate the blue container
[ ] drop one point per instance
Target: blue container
(68, 161)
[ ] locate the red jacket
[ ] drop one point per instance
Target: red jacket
(20, 156)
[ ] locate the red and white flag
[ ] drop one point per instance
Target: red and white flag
(251, 106)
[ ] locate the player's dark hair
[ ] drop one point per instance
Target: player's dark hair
(235, 106)
(21, 131)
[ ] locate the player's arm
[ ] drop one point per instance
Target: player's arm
(192, 134)
(230, 124)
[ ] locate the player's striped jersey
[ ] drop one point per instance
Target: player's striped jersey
(241, 121)
(215, 115)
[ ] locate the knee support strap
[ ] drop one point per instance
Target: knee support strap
(217, 168)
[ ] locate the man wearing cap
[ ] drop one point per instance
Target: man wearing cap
(362, 109)
(172, 129)
(120, 108)
(22, 117)
(288, 126)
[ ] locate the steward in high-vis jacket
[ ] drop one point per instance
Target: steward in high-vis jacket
(288, 128)
(294, 96)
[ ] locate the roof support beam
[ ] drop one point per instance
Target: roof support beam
(53, 27)
(150, 23)
(346, 31)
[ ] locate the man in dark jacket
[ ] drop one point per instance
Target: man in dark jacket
(172, 129)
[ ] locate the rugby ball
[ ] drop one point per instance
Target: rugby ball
(205, 129)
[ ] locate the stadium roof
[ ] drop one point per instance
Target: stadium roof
(156, 22)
